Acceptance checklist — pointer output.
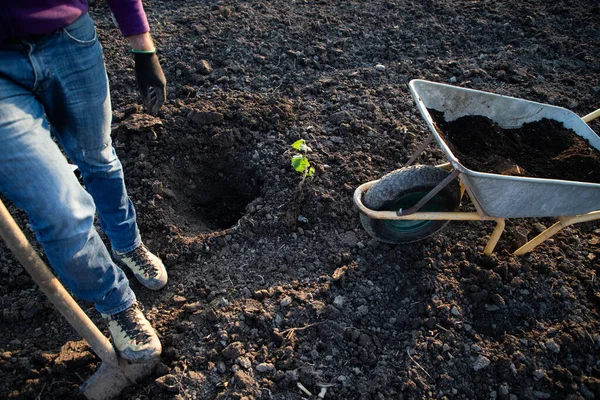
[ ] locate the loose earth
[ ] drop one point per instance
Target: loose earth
(273, 283)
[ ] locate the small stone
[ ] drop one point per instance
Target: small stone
(541, 395)
(204, 67)
(538, 228)
(380, 67)
(538, 374)
(265, 367)
(552, 346)
(286, 301)
(455, 311)
(498, 300)
(302, 219)
(339, 274)
(221, 367)
(529, 20)
(362, 310)
(244, 362)
(339, 301)
(179, 299)
(481, 362)
(520, 236)
(278, 319)
(260, 294)
(233, 350)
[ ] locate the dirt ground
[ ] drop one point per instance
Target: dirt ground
(274, 284)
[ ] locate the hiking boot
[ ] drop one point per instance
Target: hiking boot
(147, 268)
(133, 336)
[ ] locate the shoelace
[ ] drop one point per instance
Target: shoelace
(129, 321)
(141, 258)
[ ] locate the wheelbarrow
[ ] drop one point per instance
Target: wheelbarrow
(114, 373)
(417, 201)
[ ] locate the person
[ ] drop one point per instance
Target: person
(53, 83)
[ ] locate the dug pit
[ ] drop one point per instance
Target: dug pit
(210, 193)
(221, 199)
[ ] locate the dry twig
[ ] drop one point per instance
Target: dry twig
(418, 365)
(289, 333)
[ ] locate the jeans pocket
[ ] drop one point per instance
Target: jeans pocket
(82, 31)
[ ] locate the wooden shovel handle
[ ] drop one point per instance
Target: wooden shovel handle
(591, 116)
(50, 285)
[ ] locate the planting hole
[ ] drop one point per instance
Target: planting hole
(221, 201)
(211, 193)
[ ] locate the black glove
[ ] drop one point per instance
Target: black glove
(151, 81)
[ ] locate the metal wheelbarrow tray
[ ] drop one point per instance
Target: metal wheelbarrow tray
(416, 201)
(502, 195)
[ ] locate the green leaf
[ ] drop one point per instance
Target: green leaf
(301, 146)
(305, 149)
(300, 162)
(298, 143)
(311, 172)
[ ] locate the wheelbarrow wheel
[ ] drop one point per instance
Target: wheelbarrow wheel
(403, 188)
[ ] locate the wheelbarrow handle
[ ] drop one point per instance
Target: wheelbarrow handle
(591, 116)
(50, 285)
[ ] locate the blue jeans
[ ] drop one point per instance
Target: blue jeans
(57, 86)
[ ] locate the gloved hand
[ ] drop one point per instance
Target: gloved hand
(151, 81)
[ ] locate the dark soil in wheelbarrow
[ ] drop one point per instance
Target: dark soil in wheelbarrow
(541, 149)
(273, 284)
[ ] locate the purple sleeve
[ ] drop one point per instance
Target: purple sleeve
(130, 16)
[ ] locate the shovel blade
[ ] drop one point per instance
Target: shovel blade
(111, 379)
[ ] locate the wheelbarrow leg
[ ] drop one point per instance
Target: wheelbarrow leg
(114, 373)
(498, 230)
(563, 222)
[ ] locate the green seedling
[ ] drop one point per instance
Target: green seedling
(300, 162)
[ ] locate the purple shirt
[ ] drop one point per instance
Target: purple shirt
(22, 18)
